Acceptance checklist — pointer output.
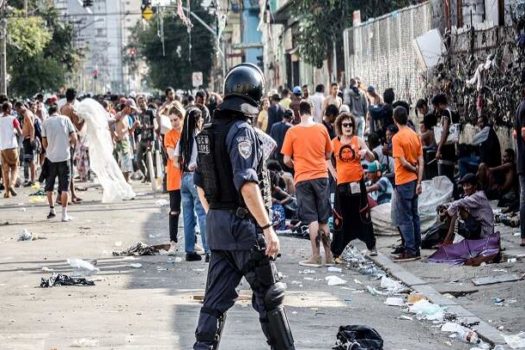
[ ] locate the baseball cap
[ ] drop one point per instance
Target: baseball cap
(371, 88)
(297, 90)
(373, 167)
(469, 178)
(131, 103)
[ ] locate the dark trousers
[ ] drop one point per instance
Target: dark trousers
(174, 214)
(356, 221)
(224, 275)
(522, 204)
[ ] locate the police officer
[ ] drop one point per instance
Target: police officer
(230, 173)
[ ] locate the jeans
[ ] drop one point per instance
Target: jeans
(522, 205)
(360, 127)
(407, 217)
(468, 164)
(191, 205)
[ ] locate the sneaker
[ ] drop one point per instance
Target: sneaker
(372, 252)
(66, 218)
(51, 214)
(398, 250)
(173, 249)
(199, 250)
(207, 257)
(193, 256)
(406, 257)
(312, 262)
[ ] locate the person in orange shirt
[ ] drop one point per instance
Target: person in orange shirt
(306, 148)
(352, 219)
(173, 175)
(408, 170)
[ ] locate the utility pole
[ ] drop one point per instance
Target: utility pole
(3, 47)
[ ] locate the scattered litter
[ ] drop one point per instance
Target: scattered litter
(357, 281)
(495, 279)
(394, 301)
(499, 302)
(516, 341)
(84, 343)
(415, 297)
(357, 261)
(178, 259)
(517, 234)
(392, 286)
(449, 296)
(198, 270)
(405, 317)
(142, 249)
(334, 281)
(307, 271)
(82, 267)
(47, 269)
(452, 327)
(334, 269)
(64, 280)
(500, 270)
(26, 235)
(512, 260)
(428, 311)
(136, 265)
(468, 336)
(160, 268)
(309, 278)
(374, 291)
(118, 243)
(162, 203)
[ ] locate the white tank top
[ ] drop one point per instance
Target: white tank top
(7, 133)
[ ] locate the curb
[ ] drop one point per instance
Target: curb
(484, 330)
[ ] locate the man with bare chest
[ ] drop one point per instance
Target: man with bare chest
(69, 111)
(28, 133)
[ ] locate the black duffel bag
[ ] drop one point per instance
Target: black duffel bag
(358, 337)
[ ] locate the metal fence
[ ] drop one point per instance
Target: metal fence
(381, 51)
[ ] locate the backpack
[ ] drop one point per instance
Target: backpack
(358, 337)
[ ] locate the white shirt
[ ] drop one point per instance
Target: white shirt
(317, 102)
(56, 129)
(8, 138)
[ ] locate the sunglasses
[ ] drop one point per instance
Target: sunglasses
(347, 125)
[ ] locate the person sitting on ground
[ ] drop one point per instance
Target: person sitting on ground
(379, 188)
(474, 209)
(280, 196)
(500, 181)
(285, 176)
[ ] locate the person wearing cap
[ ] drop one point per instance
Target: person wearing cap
(294, 105)
(122, 132)
(474, 209)
(379, 188)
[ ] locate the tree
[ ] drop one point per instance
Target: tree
(322, 22)
(176, 66)
(40, 50)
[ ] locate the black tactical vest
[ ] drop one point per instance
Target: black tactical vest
(215, 167)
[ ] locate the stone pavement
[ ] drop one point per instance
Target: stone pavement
(156, 306)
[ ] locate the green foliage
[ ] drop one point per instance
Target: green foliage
(321, 22)
(40, 50)
(27, 36)
(175, 68)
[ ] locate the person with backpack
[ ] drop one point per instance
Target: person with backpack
(352, 214)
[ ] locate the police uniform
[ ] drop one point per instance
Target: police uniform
(229, 156)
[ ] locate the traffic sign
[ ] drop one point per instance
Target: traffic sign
(196, 78)
(147, 13)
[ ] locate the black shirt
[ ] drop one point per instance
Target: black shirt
(147, 129)
(275, 115)
(519, 123)
(277, 133)
(490, 150)
(330, 128)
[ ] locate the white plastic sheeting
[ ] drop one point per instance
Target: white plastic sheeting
(435, 192)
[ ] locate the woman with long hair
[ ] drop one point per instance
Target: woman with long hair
(186, 156)
(173, 174)
(352, 213)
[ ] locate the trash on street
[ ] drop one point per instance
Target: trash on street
(64, 280)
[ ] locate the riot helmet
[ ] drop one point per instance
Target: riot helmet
(243, 89)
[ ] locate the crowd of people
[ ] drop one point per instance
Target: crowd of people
(337, 155)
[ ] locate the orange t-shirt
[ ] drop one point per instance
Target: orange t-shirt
(173, 174)
(347, 160)
(407, 144)
(308, 145)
